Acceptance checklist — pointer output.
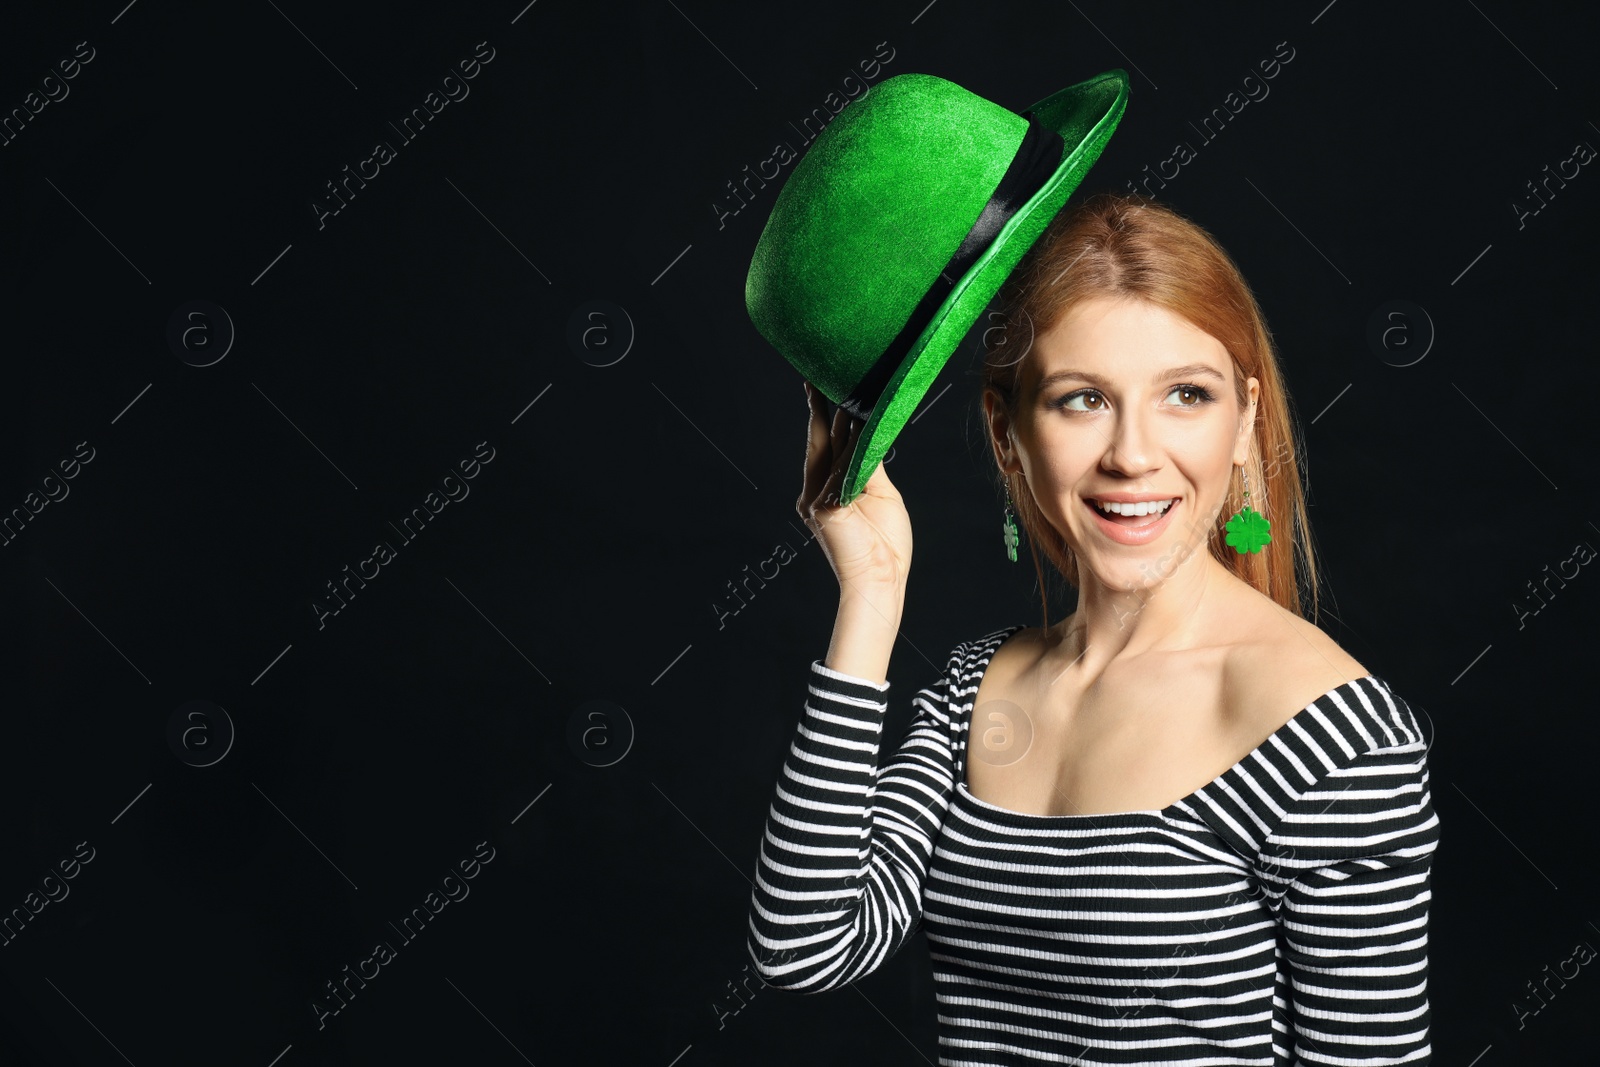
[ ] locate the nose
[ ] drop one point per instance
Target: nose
(1130, 445)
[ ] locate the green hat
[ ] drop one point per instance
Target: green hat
(897, 228)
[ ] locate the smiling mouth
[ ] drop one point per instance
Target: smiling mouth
(1153, 512)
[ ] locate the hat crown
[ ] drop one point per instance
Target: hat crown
(869, 216)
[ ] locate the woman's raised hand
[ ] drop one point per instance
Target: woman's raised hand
(868, 541)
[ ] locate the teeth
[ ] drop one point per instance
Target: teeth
(1144, 508)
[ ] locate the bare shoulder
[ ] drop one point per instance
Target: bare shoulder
(1009, 663)
(1015, 653)
(1281, 668)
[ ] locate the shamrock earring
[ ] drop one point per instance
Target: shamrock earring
(1248, 530)
(1009, 527)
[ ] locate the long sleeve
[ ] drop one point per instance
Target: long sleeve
(838, 885)
(1347, 872)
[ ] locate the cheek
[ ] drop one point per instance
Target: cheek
(1058, 462)
(1204, 443)
(1059, 453)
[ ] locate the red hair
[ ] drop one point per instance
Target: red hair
(1112, 245)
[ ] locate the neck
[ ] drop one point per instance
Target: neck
(1114, 624)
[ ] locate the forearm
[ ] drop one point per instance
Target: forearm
(845, 848)
(864, 631)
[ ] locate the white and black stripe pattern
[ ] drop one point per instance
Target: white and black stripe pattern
(1276, 916)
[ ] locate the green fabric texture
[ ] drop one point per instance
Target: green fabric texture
(880, 201)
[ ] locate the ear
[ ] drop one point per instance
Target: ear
(1002, 431)
(1247, 423)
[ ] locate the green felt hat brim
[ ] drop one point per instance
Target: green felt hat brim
(1085, 115)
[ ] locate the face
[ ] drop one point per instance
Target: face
(1124, 401)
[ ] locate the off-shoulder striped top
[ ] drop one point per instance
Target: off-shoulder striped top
(1277, 915)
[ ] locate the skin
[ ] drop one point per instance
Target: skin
(1138, 434)
(1171, 669)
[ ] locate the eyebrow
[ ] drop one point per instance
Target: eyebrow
(1188, 370)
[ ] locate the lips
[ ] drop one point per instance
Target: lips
(1136, 530)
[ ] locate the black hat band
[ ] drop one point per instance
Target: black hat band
(1038, 157)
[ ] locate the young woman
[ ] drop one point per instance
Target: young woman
(1180, 825)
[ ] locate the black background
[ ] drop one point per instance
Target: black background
(432, 313)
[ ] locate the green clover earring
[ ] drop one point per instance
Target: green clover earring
(1010, 527)
(1248, 530)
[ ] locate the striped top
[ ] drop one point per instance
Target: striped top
(1277, 915)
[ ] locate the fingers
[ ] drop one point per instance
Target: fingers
(878, 484)
(828, 452)
(819, 452)
(844, 448)
(841, 425)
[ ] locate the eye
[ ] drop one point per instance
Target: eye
(1199, 395)
(1083, 393)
